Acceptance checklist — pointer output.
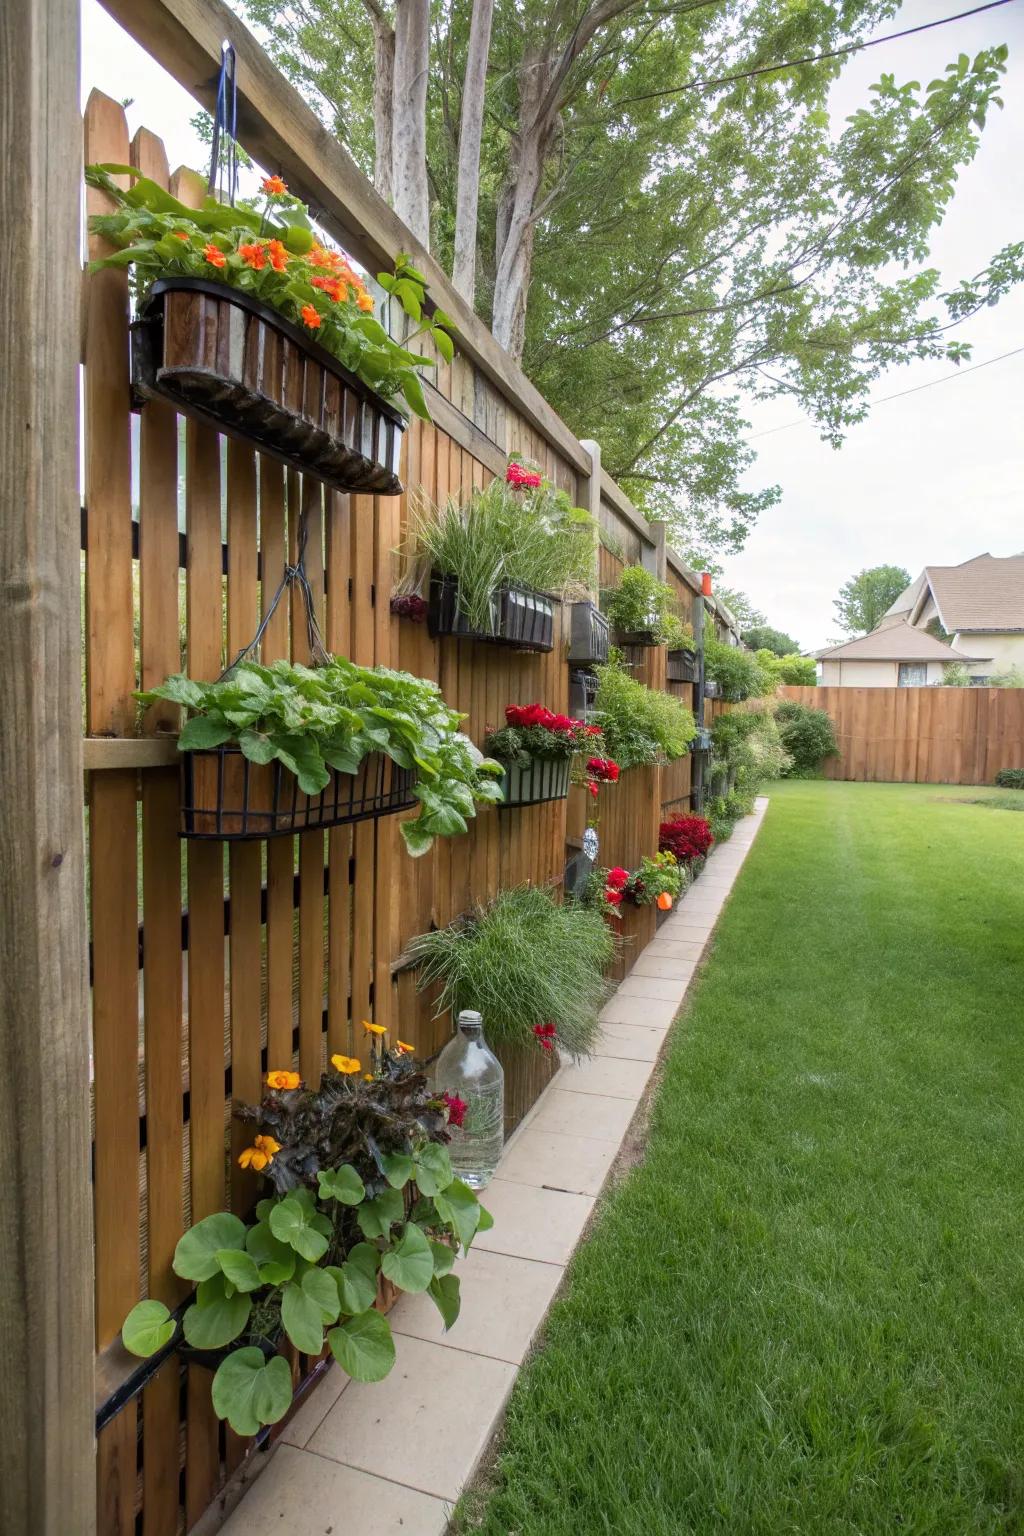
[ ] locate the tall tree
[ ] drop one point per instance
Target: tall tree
(470, 134)
(762, 637)
(409, 116)
(866, 597)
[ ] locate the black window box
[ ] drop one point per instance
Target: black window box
(644, 639)
(543, 778)
(682, 666)
(582, 693)
(588, 635)
(520, 617)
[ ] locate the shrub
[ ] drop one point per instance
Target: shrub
(640, 725)
(522, 535)
(808, 735)
(793, 670)
(747, 744)
(1010, 778)
(1013, 677)
(641, 604)
(955, 675)
(738, 673)
(688, 837)
(522, 960)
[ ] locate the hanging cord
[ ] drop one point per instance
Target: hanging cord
(224, 178)
(294, 576)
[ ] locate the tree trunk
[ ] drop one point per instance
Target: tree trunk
(383, 104)
(470, 132)
(514, 254)
(412, 60)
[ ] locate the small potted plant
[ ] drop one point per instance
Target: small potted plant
(288, 748)
(640, 607)
(361, 1204)
(681, 661)
(246, 321)
(658, 881)
(536, 749)
(494, 567)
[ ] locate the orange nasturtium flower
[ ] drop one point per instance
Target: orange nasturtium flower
(664, 901)
(365, 303)
(334, 288)
(253, 255)
(277, 254)
(260, 1155)
(346, 1064)
(407, 1049)
(214, 255)
(310, 316)
(179, 234)
(282, 1079)
(273, 185)
(374, 1029)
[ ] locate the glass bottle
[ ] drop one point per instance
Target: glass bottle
(468, 1069)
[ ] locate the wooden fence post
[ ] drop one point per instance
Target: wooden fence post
(46, 1334)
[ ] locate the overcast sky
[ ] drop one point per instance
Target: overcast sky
(931, 479)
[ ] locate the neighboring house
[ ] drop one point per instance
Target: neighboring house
(979, 604)
(895, 655)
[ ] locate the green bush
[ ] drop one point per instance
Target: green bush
(747, 744)
(1013, 677)
(641, 725)
(738, 673)
(794, 671)
(1010, 778)
(808, 735)
(641, 604)
(520, 960)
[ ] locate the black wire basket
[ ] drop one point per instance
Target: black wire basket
(542, 779)
(681, 666)
(588, 636)
(227, 797)
(519, 616)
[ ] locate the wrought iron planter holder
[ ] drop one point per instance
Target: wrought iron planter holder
(588, 636)
(221, 356)
(519, 617)
(582, 693)
(681, 666)
(544, 778)
(702, 741)
(226, 796)
(712, 690)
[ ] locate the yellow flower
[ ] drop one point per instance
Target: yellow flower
(347, 1064)
(281, 1079)
(408, 1049)
(261, 1154)
(367, 1077)
(374, 1029)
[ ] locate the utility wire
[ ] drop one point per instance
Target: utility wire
(810, 58)
(805, 422)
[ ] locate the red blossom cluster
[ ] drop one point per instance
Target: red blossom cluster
(526, 715)
(613, 886)
(545, 1036)
(409, 606)
(688, 837)
(456, 1108)
(603, 768)
(524, 479)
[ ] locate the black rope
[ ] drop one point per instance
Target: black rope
(225, 123)
(294, 576)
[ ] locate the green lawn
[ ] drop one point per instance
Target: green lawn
(804, 1311)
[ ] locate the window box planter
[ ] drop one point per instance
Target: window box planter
(712, 690)
(682, 666)
(224, 358)
(520, 617)
(588, 635)
(642, 638)
(582, 693)
(225, 796)
(544, 778)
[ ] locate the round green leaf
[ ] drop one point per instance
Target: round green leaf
(444, 1292)
(444, 1258)
(365, 1257)
(376, 1217)
(459, 1208)
(342, 1184)
(275, 1259)
(397, 1169)
(147, 1328)
(322, 1287)
(363, 1346)
(250, 1391)
(215, 1319)
(302, 1319)
(240, 1268)
(195, 1257)
(357, 1290)
(409, 1264)
(433, 1169)
(300, 1226)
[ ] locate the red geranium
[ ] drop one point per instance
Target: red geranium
(456, 1108)
(612, 897)
(617, 877)
(688, 837)
(527, 479)
(545, 1036)
(525, 715)
(603, 768)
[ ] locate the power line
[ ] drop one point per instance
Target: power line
(810, 58)
(960, 373)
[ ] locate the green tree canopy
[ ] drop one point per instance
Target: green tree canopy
(865, 597)
(762, 637)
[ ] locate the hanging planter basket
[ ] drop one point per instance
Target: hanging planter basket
(225, 796)
(544, 778)
(644, 639)
(588, 636)
(224, 358)
(582, 693)
(682, 666)
(519, 617)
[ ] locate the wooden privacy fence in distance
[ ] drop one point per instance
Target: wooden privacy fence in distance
(921, 735)
(208, 965)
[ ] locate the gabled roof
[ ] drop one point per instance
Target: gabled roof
(983, 595)
(898, 641)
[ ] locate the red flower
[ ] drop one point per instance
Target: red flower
(525, 715)
(688, 837)
(409, 606)
(518, 476)
(592, 730)
(546, 1035)
(456, 1108)
(612, 897)
(617, 877)
(603, 768)
(592, 787)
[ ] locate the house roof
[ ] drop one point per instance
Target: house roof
(983, 595)
(898, 641)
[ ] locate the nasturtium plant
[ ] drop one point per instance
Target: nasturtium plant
(363, 1193)
(312, 719)
(273, 254)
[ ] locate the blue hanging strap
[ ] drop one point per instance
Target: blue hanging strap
(225, 124)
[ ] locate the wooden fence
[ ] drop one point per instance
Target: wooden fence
(209, 966)
(921, 735)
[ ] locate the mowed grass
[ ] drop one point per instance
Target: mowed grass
(803, 1312)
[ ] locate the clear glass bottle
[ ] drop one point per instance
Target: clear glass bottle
(468, 1069)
